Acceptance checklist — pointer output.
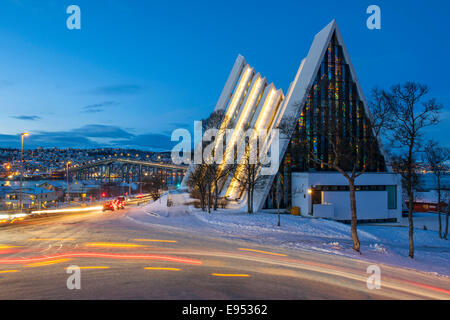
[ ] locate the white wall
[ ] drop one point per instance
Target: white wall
(369, 204)
(300, 196)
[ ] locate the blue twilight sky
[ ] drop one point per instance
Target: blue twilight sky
(139, 69)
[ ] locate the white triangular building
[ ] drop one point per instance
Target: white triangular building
(325, 94)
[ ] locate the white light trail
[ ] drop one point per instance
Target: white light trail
(69, 210)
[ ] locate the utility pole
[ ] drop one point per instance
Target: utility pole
(140, 178)
(67, 176)
(129, 183)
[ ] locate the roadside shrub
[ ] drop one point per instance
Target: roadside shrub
(195, 203)
(222, 203)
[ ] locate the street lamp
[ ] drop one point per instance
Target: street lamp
(310, 202)
(67, 175)
(129, 183)
(22, 135)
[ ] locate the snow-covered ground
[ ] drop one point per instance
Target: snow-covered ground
(426, 220)
(379, 243)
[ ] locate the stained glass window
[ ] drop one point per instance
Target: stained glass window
(333, 115)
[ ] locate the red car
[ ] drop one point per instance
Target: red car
(112, 205)
(109, 205)
(120, 203)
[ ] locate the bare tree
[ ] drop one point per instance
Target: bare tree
(343, 158)
(213, 174)
(198, 185)
(215, 120)
(286, 127)
(215, 171)
(208, 177)
(436, 158)
(409, 116)
(248, 180)
(279, 188)
(447, 213)
(380, 110)
(247, 172)
(216, 175)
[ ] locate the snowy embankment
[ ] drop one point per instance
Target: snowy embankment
(381, 244)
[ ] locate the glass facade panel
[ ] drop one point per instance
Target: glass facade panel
(392, 197)
(333, 116)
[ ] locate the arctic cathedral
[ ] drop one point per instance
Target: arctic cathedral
(326, 103)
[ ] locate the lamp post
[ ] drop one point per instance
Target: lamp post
(311, 208)
(22, 135)
(129, 183)
(67, 175)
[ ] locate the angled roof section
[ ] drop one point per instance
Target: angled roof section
(249, 100)
(273, 106)
(308, 71)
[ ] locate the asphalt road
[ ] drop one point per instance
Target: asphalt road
(119, 259)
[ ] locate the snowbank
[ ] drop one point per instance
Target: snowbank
(379, 243)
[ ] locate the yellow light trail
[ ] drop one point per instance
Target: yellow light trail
(52, 239)
(89, 268)
(46, 263)
(8, 271)
(113, 245)
(229, 275)
(155, 240)
(8, 247)
(266, 252)
(101, 255)
(155, 268)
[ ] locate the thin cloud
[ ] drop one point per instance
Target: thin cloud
(47, 140)
(91, 136)
(147, 141)
(98, 107)
(102, 131)
(93, 110)
(27, 118)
